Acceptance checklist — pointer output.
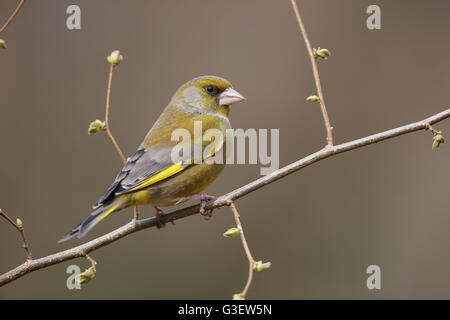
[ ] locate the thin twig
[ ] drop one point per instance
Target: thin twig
(315, 70)
(433, 131)
(14, 14)
(108, 131)
(92, 261)
(21, 232)
(134, 226)
(251, 261)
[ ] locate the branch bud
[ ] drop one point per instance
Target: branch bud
(19, 223)
(260, 266)
(86, 276)
(321, 53)
(238, 296)
(232, 233)
(313, 98)
(96, 126)
(2, 44)
(115, 57)
(437, 140)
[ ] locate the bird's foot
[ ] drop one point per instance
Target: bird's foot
(204, 198)
(159, 214)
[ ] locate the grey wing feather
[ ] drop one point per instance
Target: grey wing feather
(151, 163)
(142, 165)
(122, 175)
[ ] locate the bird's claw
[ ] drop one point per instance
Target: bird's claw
(204, 198)
(159, 214)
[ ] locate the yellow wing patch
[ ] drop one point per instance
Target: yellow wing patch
(173, 169)
(105, 214)
(170, 171)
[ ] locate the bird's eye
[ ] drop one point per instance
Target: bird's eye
(212, 90)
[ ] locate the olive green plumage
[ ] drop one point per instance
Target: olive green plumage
(150, 176)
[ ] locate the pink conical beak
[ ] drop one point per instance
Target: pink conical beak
(229, 97)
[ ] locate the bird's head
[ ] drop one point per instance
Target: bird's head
(208, 94)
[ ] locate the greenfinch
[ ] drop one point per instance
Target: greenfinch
(151, 176)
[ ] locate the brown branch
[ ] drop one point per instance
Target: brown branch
(14, 14)
(315, 70)
(137, 225)
(251, 261)
(19, 228)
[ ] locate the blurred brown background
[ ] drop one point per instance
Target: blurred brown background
(386, 204)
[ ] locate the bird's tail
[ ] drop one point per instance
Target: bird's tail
(95, 217)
